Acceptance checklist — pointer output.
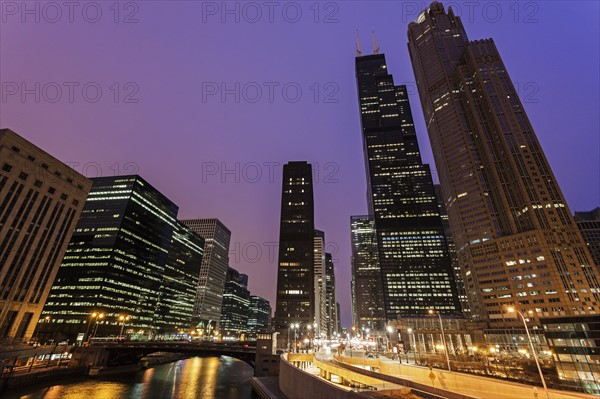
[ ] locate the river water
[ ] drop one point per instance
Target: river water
(194, 378)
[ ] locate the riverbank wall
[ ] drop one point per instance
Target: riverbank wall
(40, 377)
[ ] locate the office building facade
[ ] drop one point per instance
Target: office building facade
(295, 273)
(259, 317)
(41, 199)
(589, 225)
(175, 308)
(320, 297)
(415, 267)
(460, 284)
(516, 241)
(574, 345)
(331, 314)
(236, 307)
(367, 295)
(114, 264)
(213, 273)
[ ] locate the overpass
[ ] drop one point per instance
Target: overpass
(110, 354)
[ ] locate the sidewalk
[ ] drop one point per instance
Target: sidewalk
(466, 384)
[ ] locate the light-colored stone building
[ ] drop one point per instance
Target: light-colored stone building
(41, 199)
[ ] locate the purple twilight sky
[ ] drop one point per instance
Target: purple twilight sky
(206, 100)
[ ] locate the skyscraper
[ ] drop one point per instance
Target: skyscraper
(320, 299)
(40, 201)
(175, 307)
(295, 274)
(338, 318)
(114, 264)
(416, 271)
(460, 284)
(367, 295)
(209, 296)
(516, 241)
(236, 306)
(589, 225)
(330, 301)
(259, 316)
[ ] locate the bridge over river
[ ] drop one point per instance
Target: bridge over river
(111, 354)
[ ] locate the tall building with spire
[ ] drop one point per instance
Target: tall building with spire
(295, 274)
(415, 268)
(516, 241)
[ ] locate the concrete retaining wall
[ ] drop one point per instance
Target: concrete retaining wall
(420, 389)
(298, 384)
(21, 380)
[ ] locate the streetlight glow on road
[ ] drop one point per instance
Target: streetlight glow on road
(511, 309)
(445, 346)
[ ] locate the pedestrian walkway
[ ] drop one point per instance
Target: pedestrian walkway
(475, 386)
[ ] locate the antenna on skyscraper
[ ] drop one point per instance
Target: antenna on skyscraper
(358, 52)
(375, 45)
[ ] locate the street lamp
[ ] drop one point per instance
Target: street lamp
(296, 326)
(413, 345)
(95, 317)
(431, 311)
(123, 320)
(46, 320)
(513, 310)
(390, 330)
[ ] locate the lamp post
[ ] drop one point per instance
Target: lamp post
(308, 327)
(368, 330)
(95, 317)
(431, 311)
(390, 330)
(46, 320)
(99, 316)
(537, 362)
(123, 320)
(413, 344)
(296, 326)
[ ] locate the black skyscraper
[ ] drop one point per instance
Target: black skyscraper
(236, 306)
(114, 264)
(175, 308)
(416, 270)
(295, 278)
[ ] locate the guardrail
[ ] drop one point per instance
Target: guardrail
(419, 389)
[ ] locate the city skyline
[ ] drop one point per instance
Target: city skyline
(83, 140)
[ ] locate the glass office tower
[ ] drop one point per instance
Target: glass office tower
(416, 270)
(114, 264)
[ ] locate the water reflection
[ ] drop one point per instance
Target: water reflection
(199, 377)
